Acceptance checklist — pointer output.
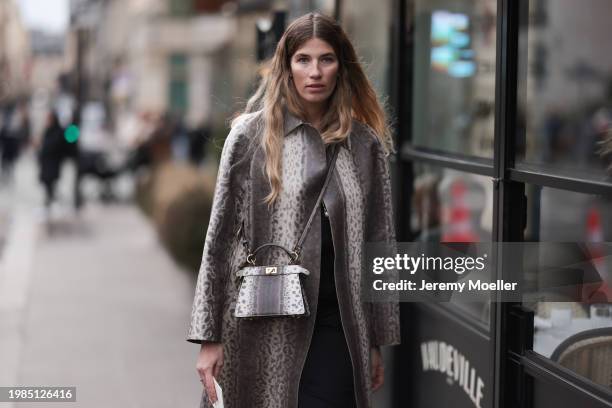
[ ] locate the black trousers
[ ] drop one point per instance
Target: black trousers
(327, 377)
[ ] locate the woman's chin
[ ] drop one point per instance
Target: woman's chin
(315, 99)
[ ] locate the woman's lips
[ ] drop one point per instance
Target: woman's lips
(315, 88)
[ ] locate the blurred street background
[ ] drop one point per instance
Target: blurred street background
(95, 303)
(108, 148)
(112, 118)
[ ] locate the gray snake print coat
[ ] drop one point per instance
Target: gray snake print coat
(263, 358)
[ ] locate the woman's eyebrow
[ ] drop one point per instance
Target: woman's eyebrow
(327, 54)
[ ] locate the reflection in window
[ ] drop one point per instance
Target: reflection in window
(454, 76)
(453, 206)
(180, 8)
(565, 103)
(327, 7)
(367, 23)
(577, 335)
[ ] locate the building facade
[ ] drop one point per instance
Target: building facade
(167, 56)
(14, 52)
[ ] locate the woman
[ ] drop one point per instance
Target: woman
(14, 135)
(274, 161)
(51, 156)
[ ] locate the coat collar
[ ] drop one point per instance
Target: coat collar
(292, 122)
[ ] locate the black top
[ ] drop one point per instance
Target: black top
(328, 313)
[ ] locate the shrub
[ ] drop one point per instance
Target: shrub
(178, 198)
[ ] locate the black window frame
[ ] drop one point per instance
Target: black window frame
(509, 355)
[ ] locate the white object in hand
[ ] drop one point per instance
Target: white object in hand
(219, 403)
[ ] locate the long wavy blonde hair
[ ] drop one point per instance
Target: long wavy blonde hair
(353, 97)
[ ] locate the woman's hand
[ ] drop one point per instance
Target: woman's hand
(210, 361)
(378, 371)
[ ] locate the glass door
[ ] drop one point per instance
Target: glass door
(506, 136)
(560, 154)
(446, 172)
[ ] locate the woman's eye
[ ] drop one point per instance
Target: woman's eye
(328, 59)
(302, 59)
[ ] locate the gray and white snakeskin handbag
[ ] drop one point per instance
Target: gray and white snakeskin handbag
(271, 291)
(276, 290)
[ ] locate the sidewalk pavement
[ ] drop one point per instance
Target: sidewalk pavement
(98, 305)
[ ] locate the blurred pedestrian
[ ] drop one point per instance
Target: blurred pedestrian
(15, 133)
(53, 151)
(160, 143)
(180, 138)
(198, 137)
(315, 117)
(152, 144)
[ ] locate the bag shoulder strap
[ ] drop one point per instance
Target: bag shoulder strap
(297, 249)
(298, 246)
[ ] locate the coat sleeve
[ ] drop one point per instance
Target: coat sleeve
(207, 310)
(384, 319)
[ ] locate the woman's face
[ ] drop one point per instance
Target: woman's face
(314, 67)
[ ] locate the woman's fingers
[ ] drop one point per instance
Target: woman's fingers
(217, 368)
(378, 371)
(209, 366)
(375, 378)
(378, 377)
(210, 386)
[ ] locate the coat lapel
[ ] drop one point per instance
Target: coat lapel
(303, 172)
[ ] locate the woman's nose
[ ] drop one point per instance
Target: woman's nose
(315, 71)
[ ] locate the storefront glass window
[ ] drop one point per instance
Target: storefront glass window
(453, 206)
(454, 76)
(327, 7)
(565, 88)
(180, 8)
(576, 334)
(368, 25)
